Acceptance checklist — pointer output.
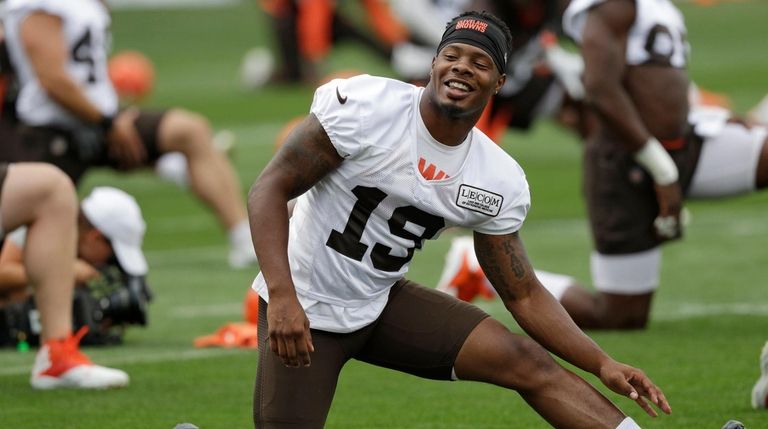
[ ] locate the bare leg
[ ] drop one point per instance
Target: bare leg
(597, 310)
(493, 354)
(600, 310)
(211, 176)
(42, 197)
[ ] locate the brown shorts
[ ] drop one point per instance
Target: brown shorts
(420, 332)
(621, 200)
(76, 152)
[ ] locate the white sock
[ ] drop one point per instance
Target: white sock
(628, 423)
(240, 234)
(555, 283)
(172, 166)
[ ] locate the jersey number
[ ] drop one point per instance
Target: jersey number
(660, 34)
(348, 242)
(82, 52)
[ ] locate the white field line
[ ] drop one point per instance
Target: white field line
(188, 254)
(170, 4)
(691, 310)
(135, 357)
(687, 310)
(194, 311)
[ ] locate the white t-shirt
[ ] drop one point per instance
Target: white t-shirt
(658, 35)
(85, 24)
(437, 161)
(353, 234)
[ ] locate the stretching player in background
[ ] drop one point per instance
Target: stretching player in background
(646, 154)
(68, 111)
(716, 156)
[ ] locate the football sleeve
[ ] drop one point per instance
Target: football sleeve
(512, 186)
(511, 216)
(341, 111)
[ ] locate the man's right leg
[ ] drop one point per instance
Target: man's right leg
(211, 176)
(43, 198)
(299, 397)
(625, 265)
(625, 285)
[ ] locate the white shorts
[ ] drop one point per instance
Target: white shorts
(728, 162)
(629, 274)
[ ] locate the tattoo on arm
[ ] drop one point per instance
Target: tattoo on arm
(505, 264)
(307, 156)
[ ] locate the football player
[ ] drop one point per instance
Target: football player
(648, 152)
(68, 111)
(332, 282)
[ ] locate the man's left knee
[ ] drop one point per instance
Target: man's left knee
(185, 131)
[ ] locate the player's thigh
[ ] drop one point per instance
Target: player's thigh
(420, 331)
(731, 162)
(493, 354)
(148, 125)
(182, 131)
(298, 397)
(27, 187)
(621, 201)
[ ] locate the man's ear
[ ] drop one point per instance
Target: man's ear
(500, 83)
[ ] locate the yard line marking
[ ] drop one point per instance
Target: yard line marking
(171, 4)
(135, 357)
(691, 310)
(671, 311)
(193, 311)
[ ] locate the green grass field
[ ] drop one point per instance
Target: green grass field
(710, 317)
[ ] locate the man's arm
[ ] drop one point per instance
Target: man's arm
(43, 39)
(603, 49)
(13, 276)
(306, 157)
(505, 264)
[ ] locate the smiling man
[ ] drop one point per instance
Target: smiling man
(378, 167)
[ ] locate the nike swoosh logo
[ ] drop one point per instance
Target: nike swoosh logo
(342, 100)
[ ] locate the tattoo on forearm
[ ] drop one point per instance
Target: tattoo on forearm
(518, 266)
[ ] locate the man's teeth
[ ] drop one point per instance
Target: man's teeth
(458, 85)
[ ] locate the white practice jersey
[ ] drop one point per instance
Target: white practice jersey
(352, 236)
(85, 24)
(658, 35)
